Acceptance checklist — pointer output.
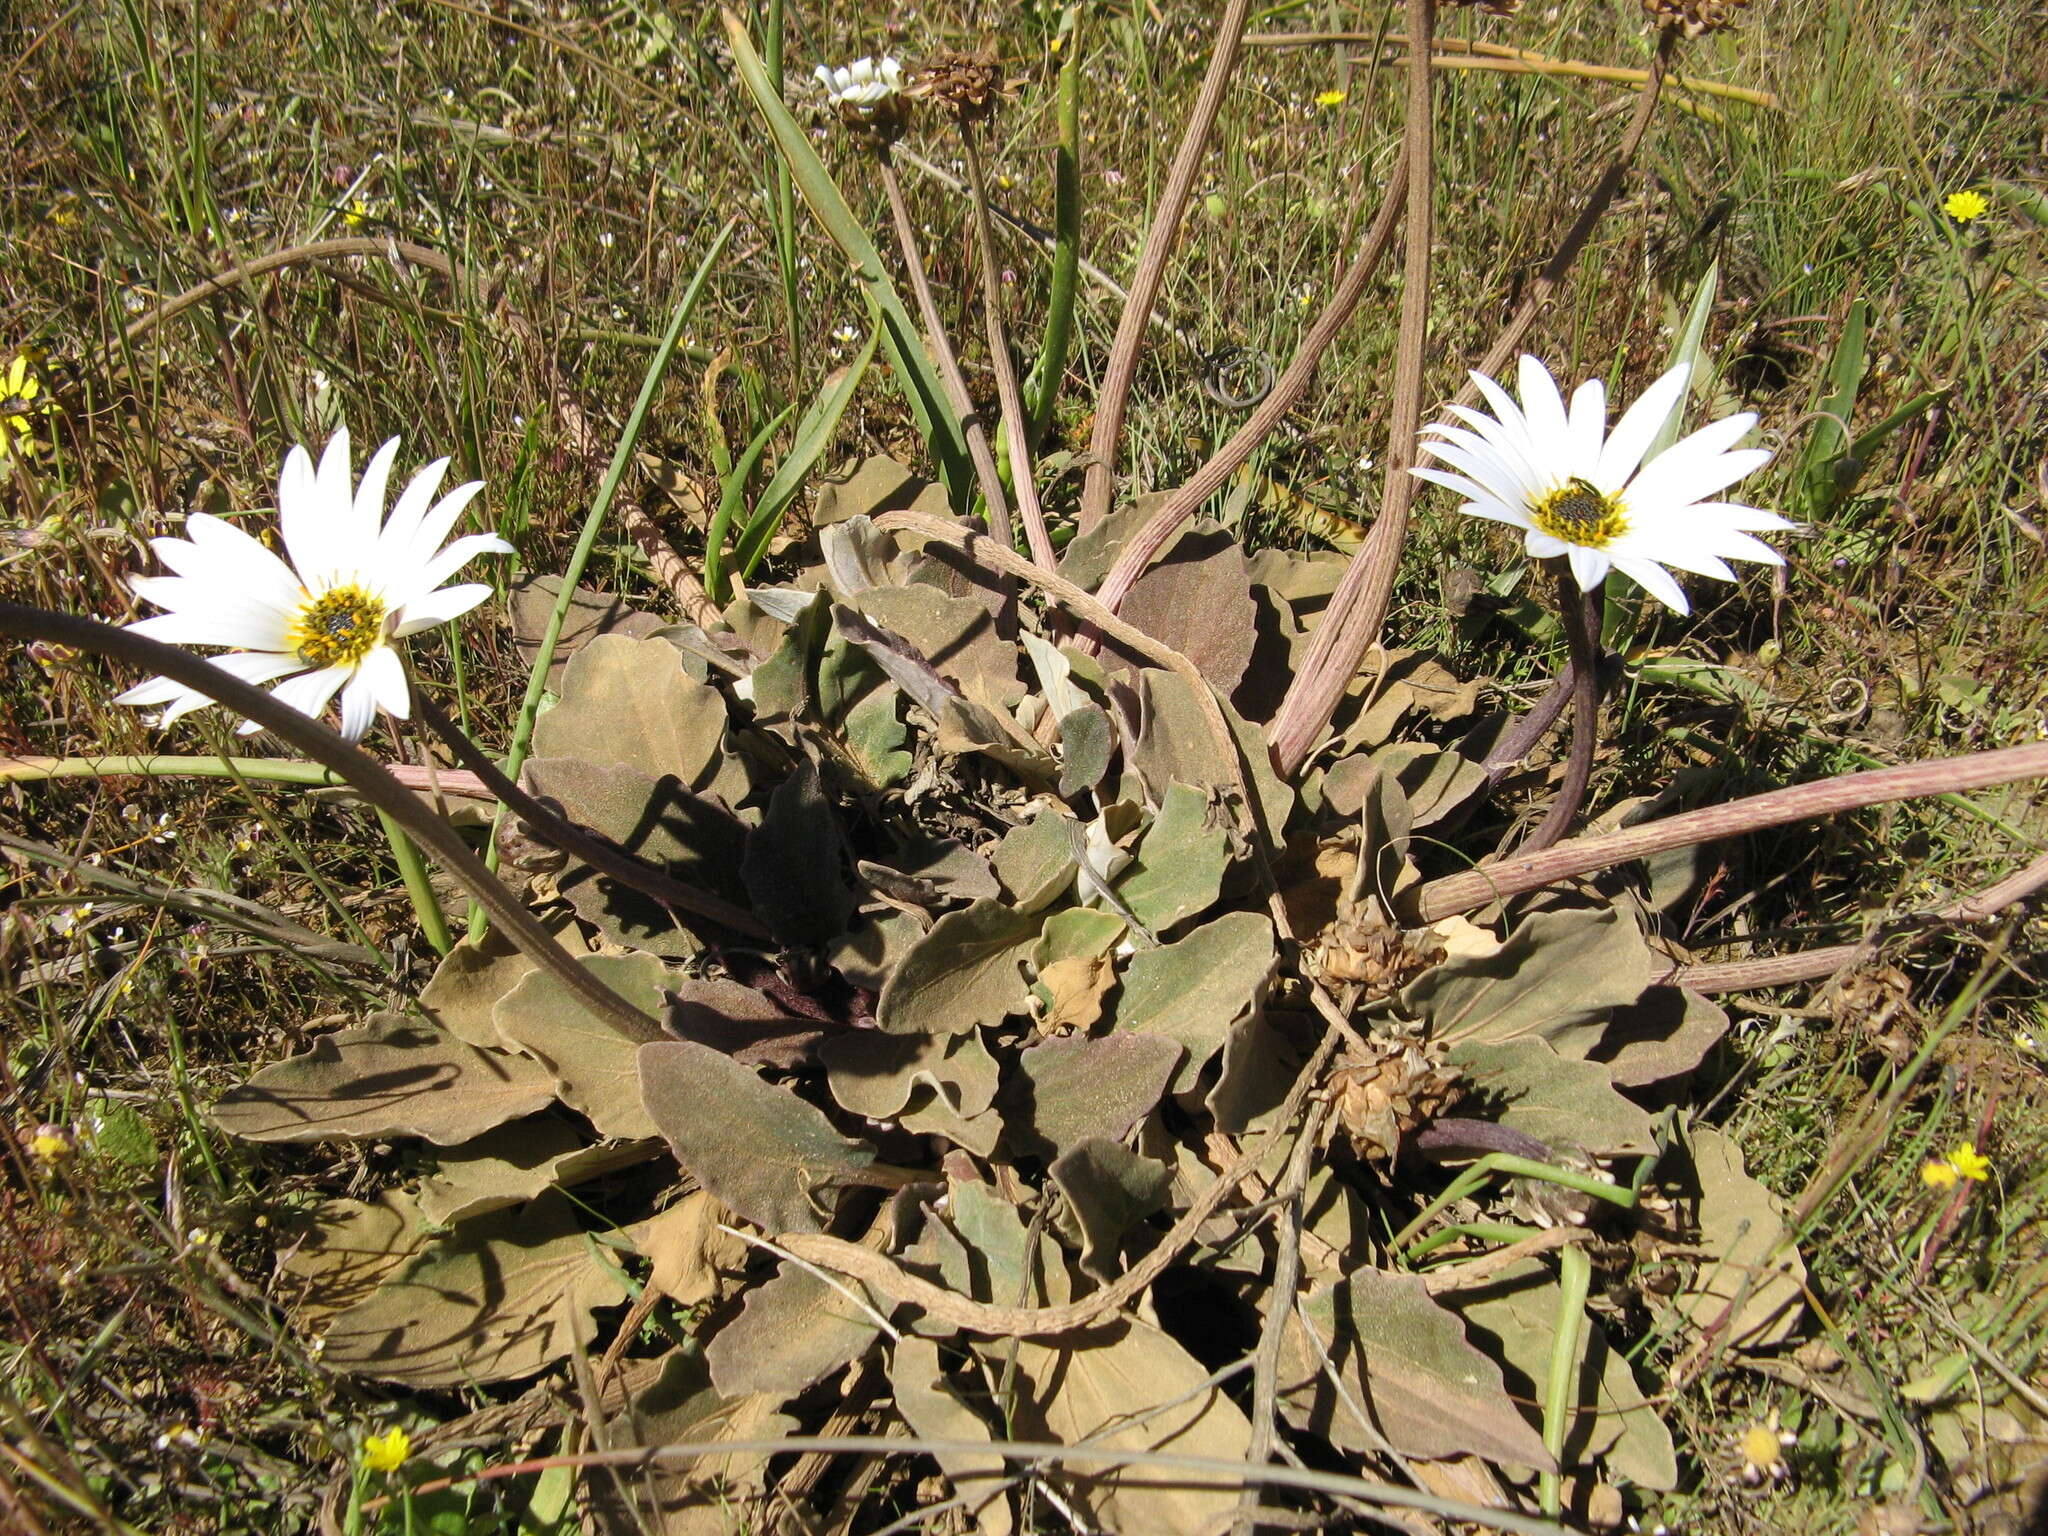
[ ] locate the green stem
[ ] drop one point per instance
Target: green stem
(412, 869)
(1514, 1167)
(1574, 1278)
(151, 765)
(537, 682)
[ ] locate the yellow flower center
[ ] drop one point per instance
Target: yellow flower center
(1579, 512)
(338, 628)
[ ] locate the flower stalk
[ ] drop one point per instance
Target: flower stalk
(1016, 420)
(976, 432)
(1580, 612)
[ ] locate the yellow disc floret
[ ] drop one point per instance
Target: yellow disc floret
(338, 628)
(1579, 512)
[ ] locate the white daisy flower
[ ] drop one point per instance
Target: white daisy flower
(859, 89)
(325, 622)
(1586, 494)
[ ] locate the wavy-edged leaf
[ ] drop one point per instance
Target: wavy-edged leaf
(771, 1156)
(393, 1077)
(966, 972)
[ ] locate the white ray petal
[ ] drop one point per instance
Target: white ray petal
(1656, 581)
(383, 674)
(1639, 424)
(245, 631)
(1679, 478)
(367, 510)
(440, 607)
(1542, 405)
(1590, 566)
(1587, 425)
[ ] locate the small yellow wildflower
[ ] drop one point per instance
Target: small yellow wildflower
(1964, 207)
(1330, 98)
(356, 213)
(21, 398)
(50, 1143)
(1762, 1448)
(1964, 1161)
(386, 1452)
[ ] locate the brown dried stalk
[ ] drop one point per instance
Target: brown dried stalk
(1459, 53)
(1351, 626)
(971, 425)
(365, 775)
(1114, 396)
(290, 256)
(1817, 964)
(1285, 395)
(1016, 421)
(1799, 802)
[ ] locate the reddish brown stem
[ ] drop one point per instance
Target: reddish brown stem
(1357, 609)
(1286, 394)
(1100, 483)
(1799, 802)
(1816, 964)
(1581, 614)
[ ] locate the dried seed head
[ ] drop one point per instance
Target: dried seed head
(1695, 18)
(1362, 947)
(969, 85)
(1392, 1093)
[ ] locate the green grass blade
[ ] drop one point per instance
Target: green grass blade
(1042, 387)
(1829, 440)
(784, 204)
(586, 540)
(1689, 350)
(813, 437)
(733, 490)
(926, 396)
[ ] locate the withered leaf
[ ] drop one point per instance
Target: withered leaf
(1102, 1387)
(1557, 978)
(965, 973)
(690, 1259)
(1035, 861)
(594, 1060)
(629, 704)
(1073, 989)
(354, 1247)
(1194, 990)
(1071, 1088)
(1196, 599)
(874, 1074)
(740, 1021)
(531, 603)
(496, 1300)
(1087, 741)
(1109, 1189)
(656, 820)
(1665, 1035)
(1405, 1360)
(794, 1330)
(1173, 745)
(393, 1077)
(768, 1154)
(954, 634)
(467, 984)
(931, 1405)
(1752, 1274)
(510, 1166)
